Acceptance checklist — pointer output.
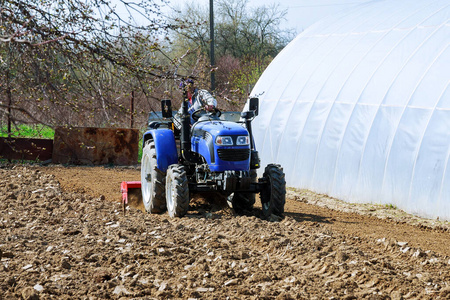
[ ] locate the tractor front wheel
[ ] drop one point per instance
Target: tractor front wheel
(152, 181)
(273, 195)
(177, 191)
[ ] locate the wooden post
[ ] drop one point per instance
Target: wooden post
(132, 110)
(9, 98)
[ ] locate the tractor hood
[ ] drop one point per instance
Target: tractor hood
(230, 156)
(216, 128)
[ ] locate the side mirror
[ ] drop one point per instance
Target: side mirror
(166, 108)
(254, 105)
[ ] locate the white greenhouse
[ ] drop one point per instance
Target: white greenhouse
(358, 107)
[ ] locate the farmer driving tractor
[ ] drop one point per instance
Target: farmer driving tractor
(197, 99)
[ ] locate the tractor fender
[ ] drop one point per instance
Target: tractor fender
(165, 146)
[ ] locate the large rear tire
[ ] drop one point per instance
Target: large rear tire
(273, 196)
(242, 202)
(177, 191)
(152, 181)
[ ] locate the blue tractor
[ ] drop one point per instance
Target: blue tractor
(211, 155)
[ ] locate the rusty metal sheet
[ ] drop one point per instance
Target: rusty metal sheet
(95, 146)
(26, 148)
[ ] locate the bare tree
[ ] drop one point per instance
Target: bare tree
(246, 38)
(76, 62)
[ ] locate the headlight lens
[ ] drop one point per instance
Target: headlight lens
(242, 140)
(224, 141)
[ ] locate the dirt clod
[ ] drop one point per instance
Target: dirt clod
(30, 293)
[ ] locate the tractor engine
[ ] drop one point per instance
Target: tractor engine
(226, 181)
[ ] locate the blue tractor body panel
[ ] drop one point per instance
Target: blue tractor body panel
(218, 157)
(165, 146)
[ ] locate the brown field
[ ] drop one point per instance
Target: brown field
(63, 235)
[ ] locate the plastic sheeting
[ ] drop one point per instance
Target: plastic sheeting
(358, 107)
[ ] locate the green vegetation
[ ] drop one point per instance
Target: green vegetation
(29, 131)
(390, 206)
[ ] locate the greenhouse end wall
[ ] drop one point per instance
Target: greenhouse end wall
(358, 107)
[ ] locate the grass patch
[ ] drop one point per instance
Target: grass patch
(29, 131)
(140, 151)
(390, 206)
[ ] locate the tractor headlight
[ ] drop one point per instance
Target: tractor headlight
(224, 141)
(242, 140)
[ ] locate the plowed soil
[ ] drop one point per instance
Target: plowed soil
(63, 235)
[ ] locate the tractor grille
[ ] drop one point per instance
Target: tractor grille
(207, 136)
(233, 154)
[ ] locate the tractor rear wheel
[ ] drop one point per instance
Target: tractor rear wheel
(177, 191)
(273, 196)
(152, 181)
(242, 202)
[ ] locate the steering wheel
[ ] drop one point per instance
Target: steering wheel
(197, 114)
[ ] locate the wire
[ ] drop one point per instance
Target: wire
(322, 5)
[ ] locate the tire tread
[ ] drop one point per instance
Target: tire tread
(276, 193)
(157, 198)
(176, 175)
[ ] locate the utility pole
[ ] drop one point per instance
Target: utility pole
(211, 53)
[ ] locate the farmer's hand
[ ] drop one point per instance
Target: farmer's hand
(209, 108)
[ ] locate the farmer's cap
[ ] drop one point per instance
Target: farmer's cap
(185, 82)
